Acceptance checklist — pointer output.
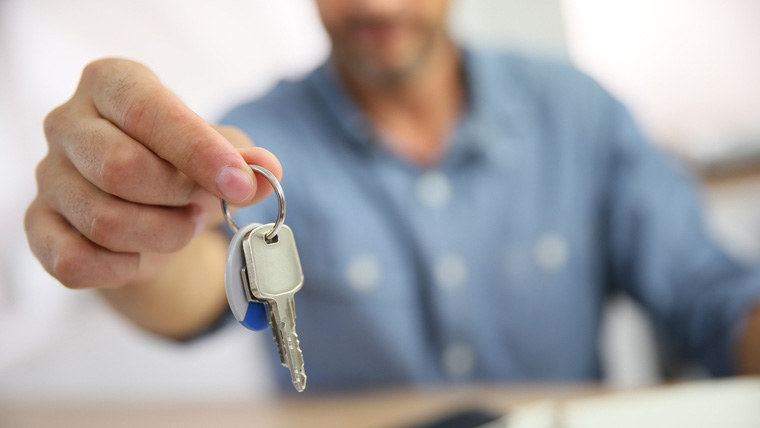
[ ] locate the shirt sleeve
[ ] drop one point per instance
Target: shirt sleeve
(660, 252)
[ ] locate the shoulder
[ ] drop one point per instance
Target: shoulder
(535, 70)
(540, 81)
(551, 92)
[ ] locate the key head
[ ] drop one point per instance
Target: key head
(252, 315)
(274, 268)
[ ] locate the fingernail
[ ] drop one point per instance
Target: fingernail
(234, 184)
(201, 220)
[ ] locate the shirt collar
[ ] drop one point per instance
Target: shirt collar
(340, 105)
(497, 113)
(492, 113)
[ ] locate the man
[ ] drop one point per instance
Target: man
(460, 215)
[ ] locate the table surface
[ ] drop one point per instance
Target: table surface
(398, 408)
(726, 403)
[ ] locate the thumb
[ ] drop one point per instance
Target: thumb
(264, 158)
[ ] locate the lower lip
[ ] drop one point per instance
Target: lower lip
(377, 35)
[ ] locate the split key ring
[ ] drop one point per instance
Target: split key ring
(272, 234)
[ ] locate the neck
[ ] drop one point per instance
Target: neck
(415, 114)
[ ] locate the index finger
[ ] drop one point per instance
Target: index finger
(131, 97)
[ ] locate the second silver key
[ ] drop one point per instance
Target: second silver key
(274, 276)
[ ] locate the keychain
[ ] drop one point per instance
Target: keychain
(262, 274)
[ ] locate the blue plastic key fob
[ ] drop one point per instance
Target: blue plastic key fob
(252, 315)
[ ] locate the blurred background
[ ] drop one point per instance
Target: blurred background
(688, 69)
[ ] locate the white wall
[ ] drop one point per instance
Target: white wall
(688, 68)
(530, 25)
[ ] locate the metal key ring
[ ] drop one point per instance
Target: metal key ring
(280, 204)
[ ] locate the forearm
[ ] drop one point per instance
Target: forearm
(749, 345)
(184, 297)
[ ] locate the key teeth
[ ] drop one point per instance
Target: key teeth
(295, 341)
(282, 353)
(280, 350)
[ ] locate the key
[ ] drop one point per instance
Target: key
(261, 276)
(273, 275)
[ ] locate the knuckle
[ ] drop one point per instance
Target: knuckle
(118, 170)
(70, 266)
(39, 238)
(105, 226)
(96, 69)
(29, 216)
(54, 123)
(104, 69)
(137, 114)
(49, 176)
(130, 106)
(85, 133)
(78, 264)
(41, 173)
(84, 143)
(121, 83)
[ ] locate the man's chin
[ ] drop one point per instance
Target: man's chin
(385, 71)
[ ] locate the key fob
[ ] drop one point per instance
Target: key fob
(252, 315)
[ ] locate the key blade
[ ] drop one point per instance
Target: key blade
(283, 309)
(276, 333)
(274, 275)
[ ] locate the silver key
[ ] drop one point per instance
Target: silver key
(273, 276)
(266, 270)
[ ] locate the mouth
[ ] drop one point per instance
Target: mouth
(378, 35)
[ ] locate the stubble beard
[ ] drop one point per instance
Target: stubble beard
(360, 66)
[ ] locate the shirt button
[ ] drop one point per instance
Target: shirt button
(458, 360)
(433, 190)
(363, 272)
(450, 271)
(551, 252)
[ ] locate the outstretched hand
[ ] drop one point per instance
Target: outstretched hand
(131, 176)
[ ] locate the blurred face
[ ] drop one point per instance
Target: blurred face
(383, 41)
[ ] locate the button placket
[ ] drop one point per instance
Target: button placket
(433, 190)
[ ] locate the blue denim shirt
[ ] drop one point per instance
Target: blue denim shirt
(493, 265)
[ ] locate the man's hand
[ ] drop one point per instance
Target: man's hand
(131, 176)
